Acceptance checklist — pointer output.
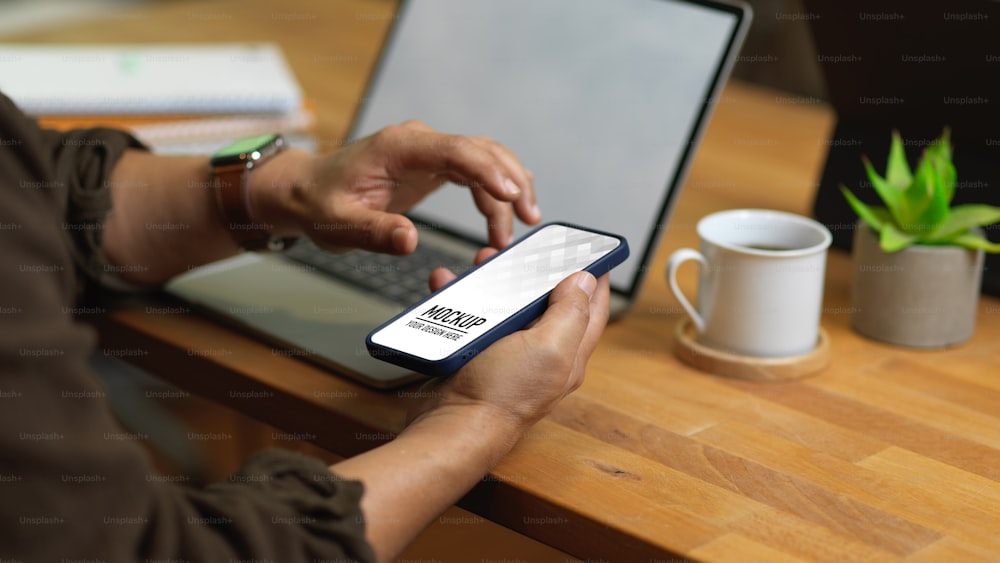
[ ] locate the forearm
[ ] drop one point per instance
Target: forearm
(436, 460)
(165, 218)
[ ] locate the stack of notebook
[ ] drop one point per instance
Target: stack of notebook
(186, 98)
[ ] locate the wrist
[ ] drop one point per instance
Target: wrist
(481, 428)
(273, 189)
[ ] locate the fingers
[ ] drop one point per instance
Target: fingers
(442, 276)
(567, 319)
(498, 212)
(600, 310)
(369, 229)
(491, 170)
(574, 322)
(364, 186)
(416, 147)
(499, 218)
(483, 254)
(526, 206)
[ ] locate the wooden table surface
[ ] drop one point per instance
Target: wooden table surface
(888, 454)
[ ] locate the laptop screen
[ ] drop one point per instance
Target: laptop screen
(602, 100)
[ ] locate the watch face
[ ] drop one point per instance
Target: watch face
(248, 149)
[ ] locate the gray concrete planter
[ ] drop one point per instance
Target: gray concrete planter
(921, 297)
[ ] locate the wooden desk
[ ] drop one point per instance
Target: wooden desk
(888, 454)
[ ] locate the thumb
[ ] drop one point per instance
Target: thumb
(568, 315)
(369, 229)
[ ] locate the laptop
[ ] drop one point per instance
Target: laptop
(603, 100)
(916, 67)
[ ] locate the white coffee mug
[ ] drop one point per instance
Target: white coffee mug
(760, 285)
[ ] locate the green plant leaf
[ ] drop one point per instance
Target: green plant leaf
(925, 199)
(890, 196)
(892, 239)
(917, 202)
(933, 185)
(897, 170)
(975, 241)
(962, 218)
(939, 155)
(874, 216)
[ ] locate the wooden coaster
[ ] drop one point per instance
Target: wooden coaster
(751, 368)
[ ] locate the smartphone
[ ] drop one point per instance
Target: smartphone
(438, 335)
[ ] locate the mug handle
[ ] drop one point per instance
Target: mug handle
(676, 259)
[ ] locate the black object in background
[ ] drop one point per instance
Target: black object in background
(915, 67)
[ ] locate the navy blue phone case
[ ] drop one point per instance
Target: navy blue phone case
(514, 322)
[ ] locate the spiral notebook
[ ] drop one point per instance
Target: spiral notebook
(176, 79)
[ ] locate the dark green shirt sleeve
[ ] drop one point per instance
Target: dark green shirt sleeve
(73, 484)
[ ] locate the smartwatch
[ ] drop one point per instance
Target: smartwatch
(230, 168)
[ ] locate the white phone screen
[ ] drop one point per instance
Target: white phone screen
(478, 302)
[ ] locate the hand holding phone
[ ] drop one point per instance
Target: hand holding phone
(438, 335)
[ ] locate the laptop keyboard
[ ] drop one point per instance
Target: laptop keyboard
(401, 279)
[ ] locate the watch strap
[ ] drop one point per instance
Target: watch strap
(231, 191)
(231, 184)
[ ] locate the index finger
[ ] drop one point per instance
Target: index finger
(526, 205)
(419, 148)
(441, 276)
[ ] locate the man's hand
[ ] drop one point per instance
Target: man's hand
(351, 198)
(475, 417)
(354, 197)
(524, 375)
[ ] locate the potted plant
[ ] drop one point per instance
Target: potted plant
(918, 261)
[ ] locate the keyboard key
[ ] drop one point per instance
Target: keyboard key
(401, 279)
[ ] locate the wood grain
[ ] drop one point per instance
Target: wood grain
(888, 454)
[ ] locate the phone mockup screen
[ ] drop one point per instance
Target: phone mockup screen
(492, 293)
